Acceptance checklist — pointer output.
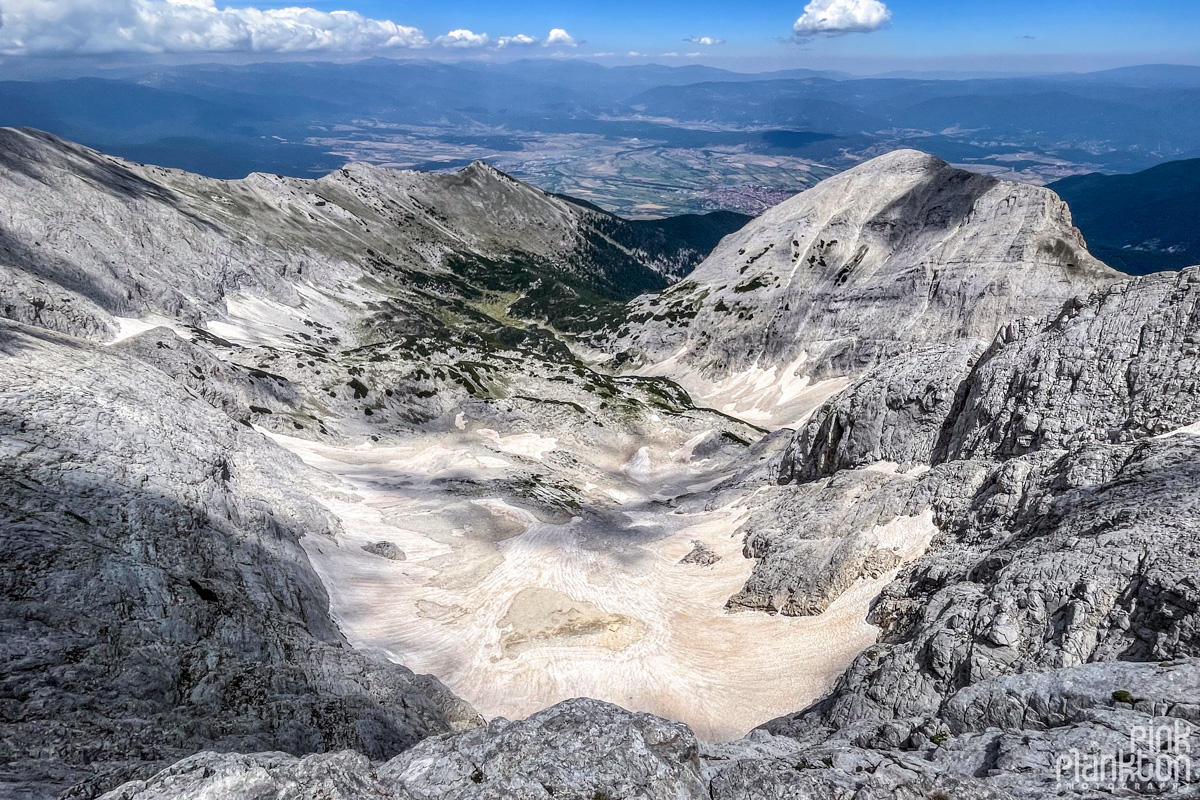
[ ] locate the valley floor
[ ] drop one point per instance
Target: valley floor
(516, 612)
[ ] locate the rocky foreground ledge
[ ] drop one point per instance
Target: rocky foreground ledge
(585, 749)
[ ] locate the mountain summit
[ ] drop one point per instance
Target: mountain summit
(898, 252)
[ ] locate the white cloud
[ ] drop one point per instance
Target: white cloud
(603, 55)
(62, 27)
(837, 17)
(707, 41)
(520, 40)
(694, 55)
(556, 37)
(635, 54)
(189, 26)
(560, 37)
(670, 55)
(462, 38)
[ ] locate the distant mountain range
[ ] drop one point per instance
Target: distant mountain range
(652, 141)
(302, 119)
(1139, 223)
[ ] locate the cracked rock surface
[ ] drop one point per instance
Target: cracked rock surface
(580, 750)
(1059, 600)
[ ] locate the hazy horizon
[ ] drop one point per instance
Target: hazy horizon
(51, 67)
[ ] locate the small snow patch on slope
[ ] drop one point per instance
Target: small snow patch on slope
(129, 327)
(520, 444)
(1187, 430)
(770, 397)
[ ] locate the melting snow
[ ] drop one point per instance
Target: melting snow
(1189, 430)
(521, 444)
(129, 326)
(772, 397)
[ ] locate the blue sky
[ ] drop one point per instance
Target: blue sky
(933, 25)
(854, 35)
(929, 32)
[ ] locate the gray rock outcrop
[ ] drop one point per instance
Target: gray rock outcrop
(893, 414)
(1117, 367)
(812, 542)
(386, 550)
(701, 555)
(155, 599)
(578, 750)
(1058, 600)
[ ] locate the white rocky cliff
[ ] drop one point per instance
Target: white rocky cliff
(899, 252)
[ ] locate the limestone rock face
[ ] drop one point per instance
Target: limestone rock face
(1057, 560)
(155, 599)
(386, 550)
(814, 541)
(1058, 597)
(895, 413)
(180, 245)
(231, 388)
(582, 749)
(1118, 367)
(701, 555)
(152, 239)
(900, 252)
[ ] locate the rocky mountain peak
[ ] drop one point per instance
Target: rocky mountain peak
(482, 169)
(898, 162)
(87, 237)
(898, 252)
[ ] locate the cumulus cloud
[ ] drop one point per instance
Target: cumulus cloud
(707, 41)
(560, 37)
(189, 26)
(837, 17)
(557, 37)
(63, 27)
(635, 54)
(670, 55)
(462, 38)
(520, 40)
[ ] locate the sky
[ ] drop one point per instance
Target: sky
(862, 36)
